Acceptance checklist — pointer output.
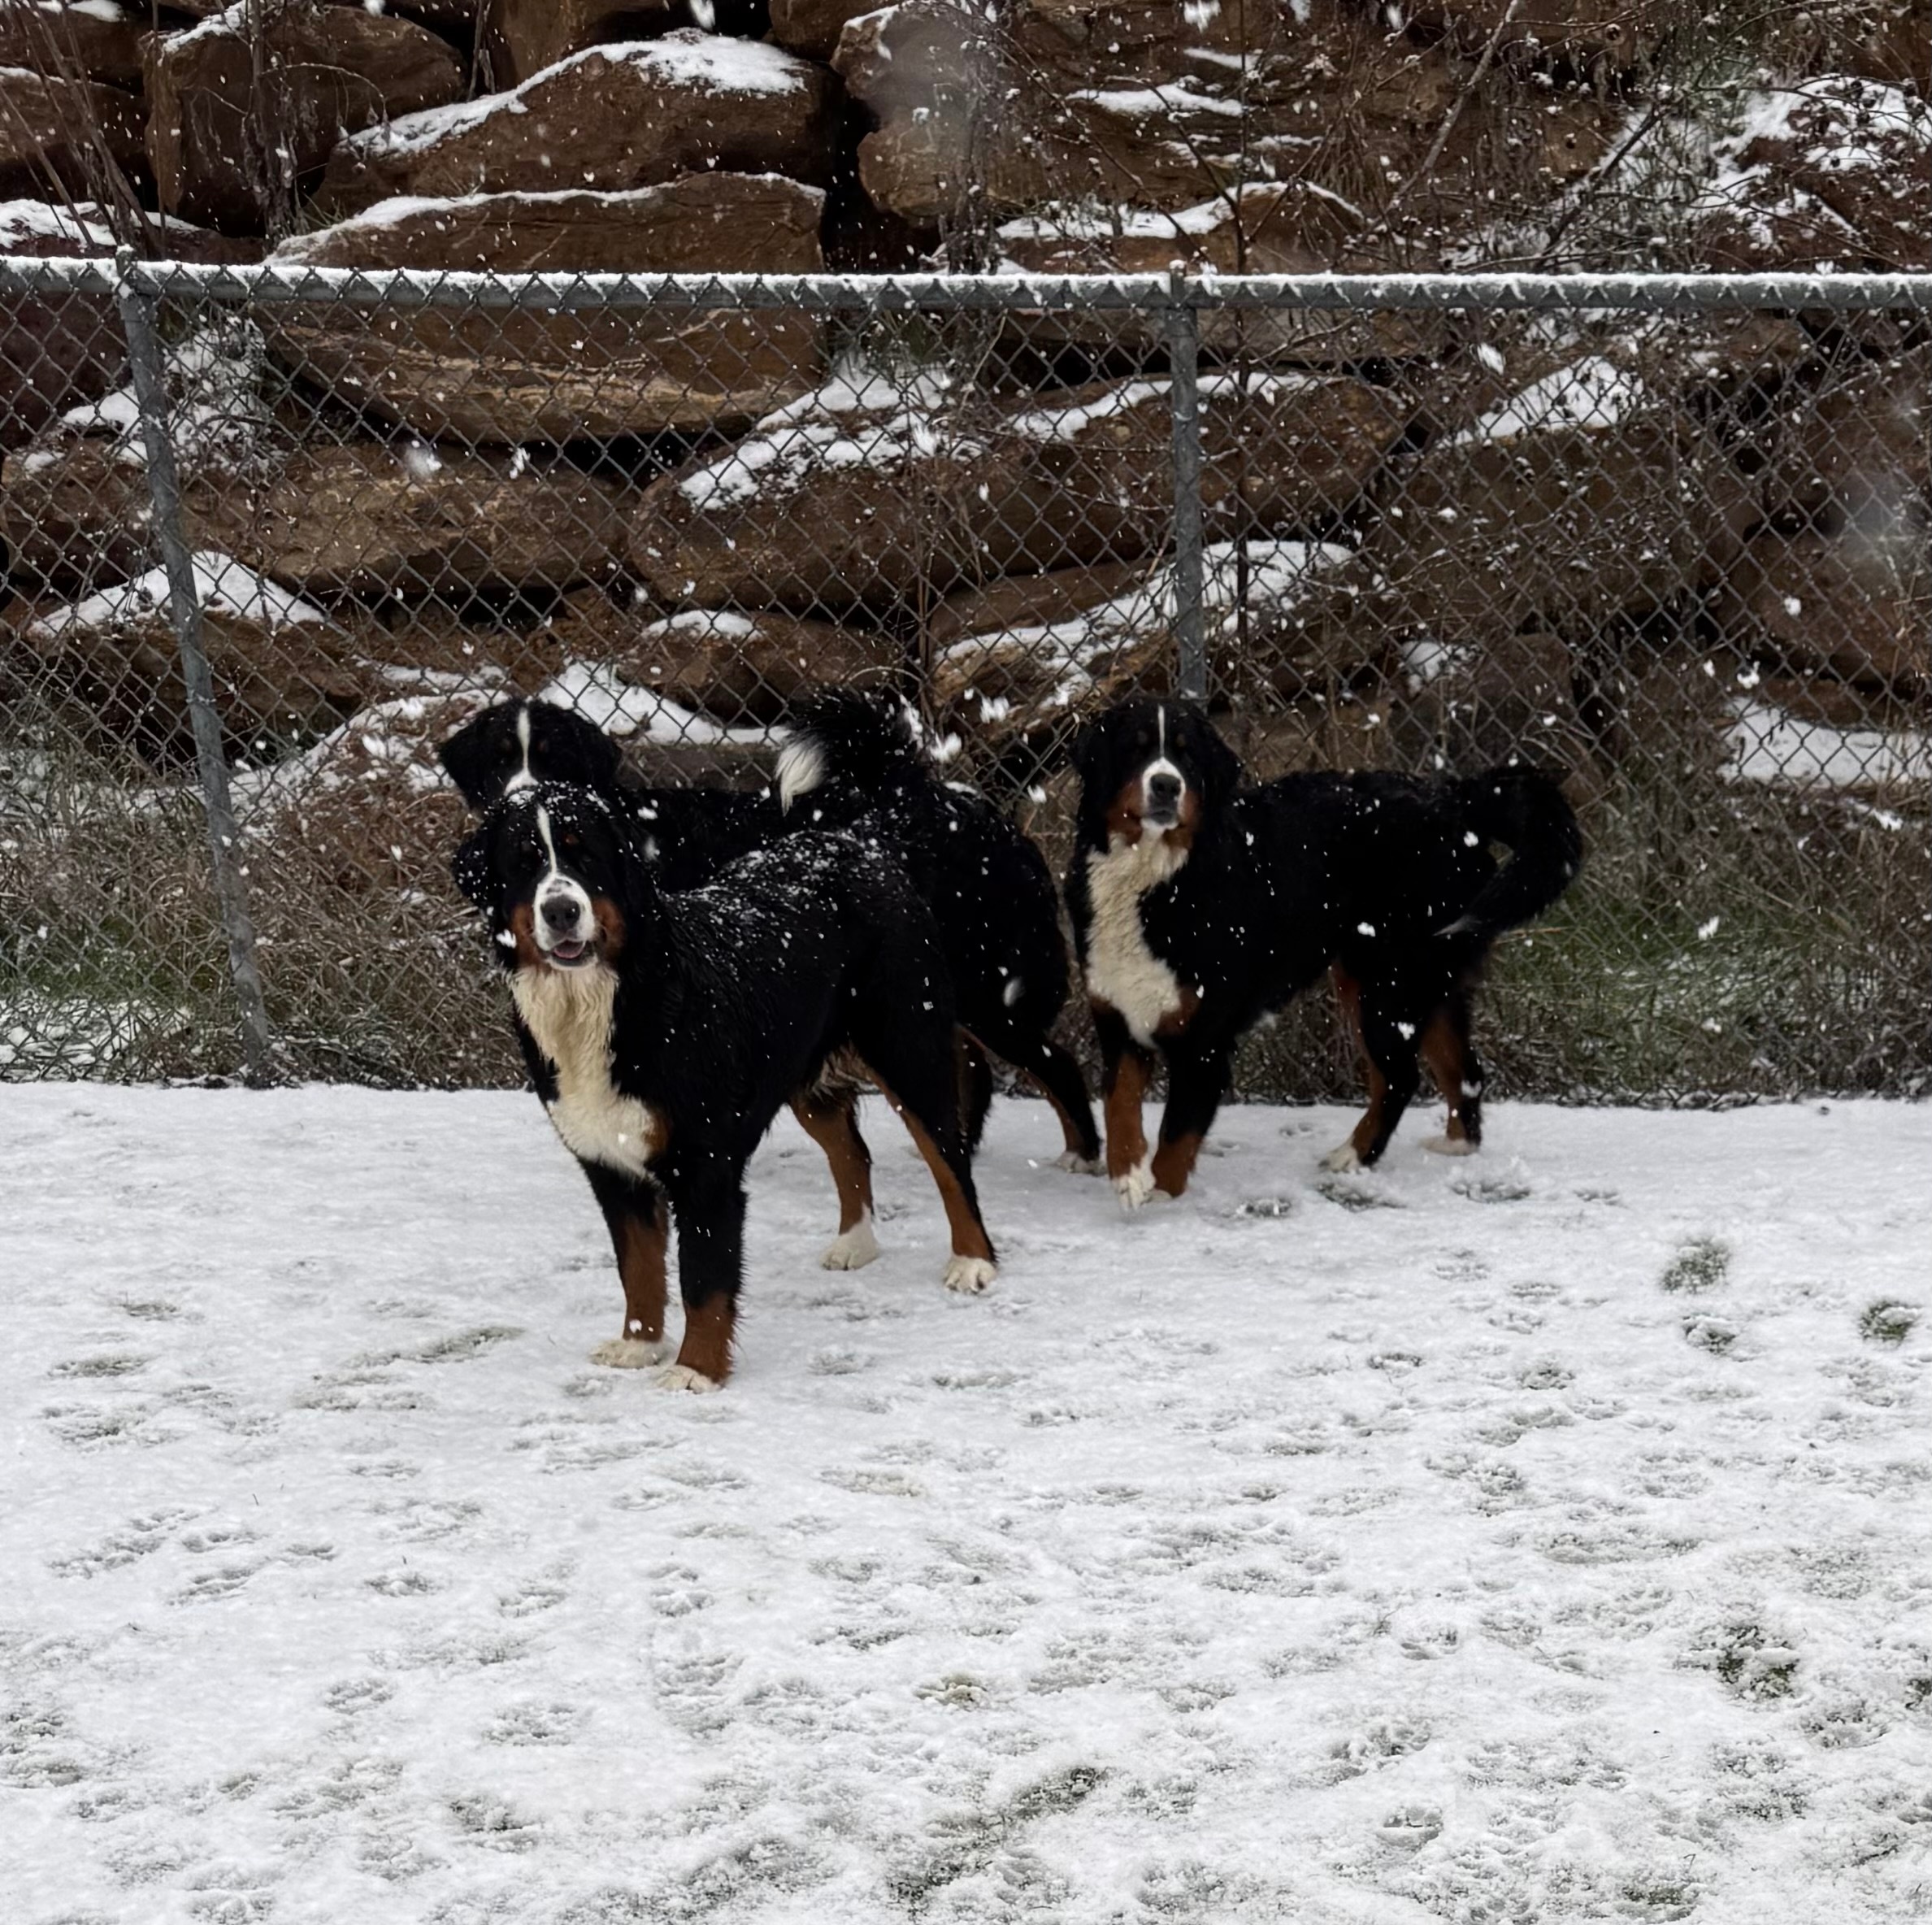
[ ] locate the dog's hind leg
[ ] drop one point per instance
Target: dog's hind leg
(1388, 1044)
(708, 1196)
(1037, 1057)
(1457, 1073)
(635, 1215)
(975, 1087)
(913, 1067)
(831, 1122)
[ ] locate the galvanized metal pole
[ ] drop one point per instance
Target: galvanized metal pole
(138, 308)
(1183, 362)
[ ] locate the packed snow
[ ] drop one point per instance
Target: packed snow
(1542, 1536)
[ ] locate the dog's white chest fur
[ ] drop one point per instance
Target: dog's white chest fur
(569, 1015)
(1120, 969)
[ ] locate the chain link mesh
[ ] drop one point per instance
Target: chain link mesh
(1681, 555)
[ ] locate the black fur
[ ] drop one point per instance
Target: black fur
(988, 887)
(1386, 881)
(728, 1001)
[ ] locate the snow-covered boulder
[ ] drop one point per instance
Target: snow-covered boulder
(281, 666)
(508, 377)
(1586, 493)
(1159, 106)
(327, 70)
(1032, 656)
(874, 492)
(609, 118)
(1828, 172)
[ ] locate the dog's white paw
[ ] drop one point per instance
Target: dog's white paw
(680, 1376)
(970, 1274)
(1449, 1146)
(852, 1248)
(1342, 1158)
(1137, 1188)
(629, 1354)
(1080, 1166)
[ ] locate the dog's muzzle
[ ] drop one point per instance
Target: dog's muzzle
(566, 928)
(1161, 788)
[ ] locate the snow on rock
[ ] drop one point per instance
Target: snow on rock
(83, 227)
(611, 117)
(819, 431)
(1828, 172)
(1541, 1536)
(600, 695)
(1592, 393)
(1019, 675)
(223, 586)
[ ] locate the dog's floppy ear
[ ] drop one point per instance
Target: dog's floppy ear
(475, 869)
(1085, 753)
(1223, 769)
(473, 757)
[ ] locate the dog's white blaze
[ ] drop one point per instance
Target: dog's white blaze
(555, 882)
(568, 1013)
(523, 778)
(801, 769)
(1120, 969)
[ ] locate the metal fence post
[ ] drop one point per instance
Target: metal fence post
(1183, 362)
(138, 309)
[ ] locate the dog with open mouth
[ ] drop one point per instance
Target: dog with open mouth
(1200, 907)
(664, 1029)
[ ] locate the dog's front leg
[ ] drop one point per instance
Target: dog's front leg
(634, 1213)
(1126, 1068)
(709, 1201)
(1197, 1081)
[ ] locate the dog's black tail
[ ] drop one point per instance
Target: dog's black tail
(848, 739)
(1524, 809)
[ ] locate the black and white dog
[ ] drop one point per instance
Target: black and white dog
(1200, 907)
(665, 1030)
(854, 763)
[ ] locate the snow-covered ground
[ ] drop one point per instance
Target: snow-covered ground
(1539, 1537)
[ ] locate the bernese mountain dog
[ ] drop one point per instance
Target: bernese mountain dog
(1200, 907)
(664, 1029)
(854, 763)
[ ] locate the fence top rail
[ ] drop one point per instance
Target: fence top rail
(416, 287)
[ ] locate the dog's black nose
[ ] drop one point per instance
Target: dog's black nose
(560, 912)
(1163, 791)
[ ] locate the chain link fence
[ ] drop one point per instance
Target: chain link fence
(270, 534)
